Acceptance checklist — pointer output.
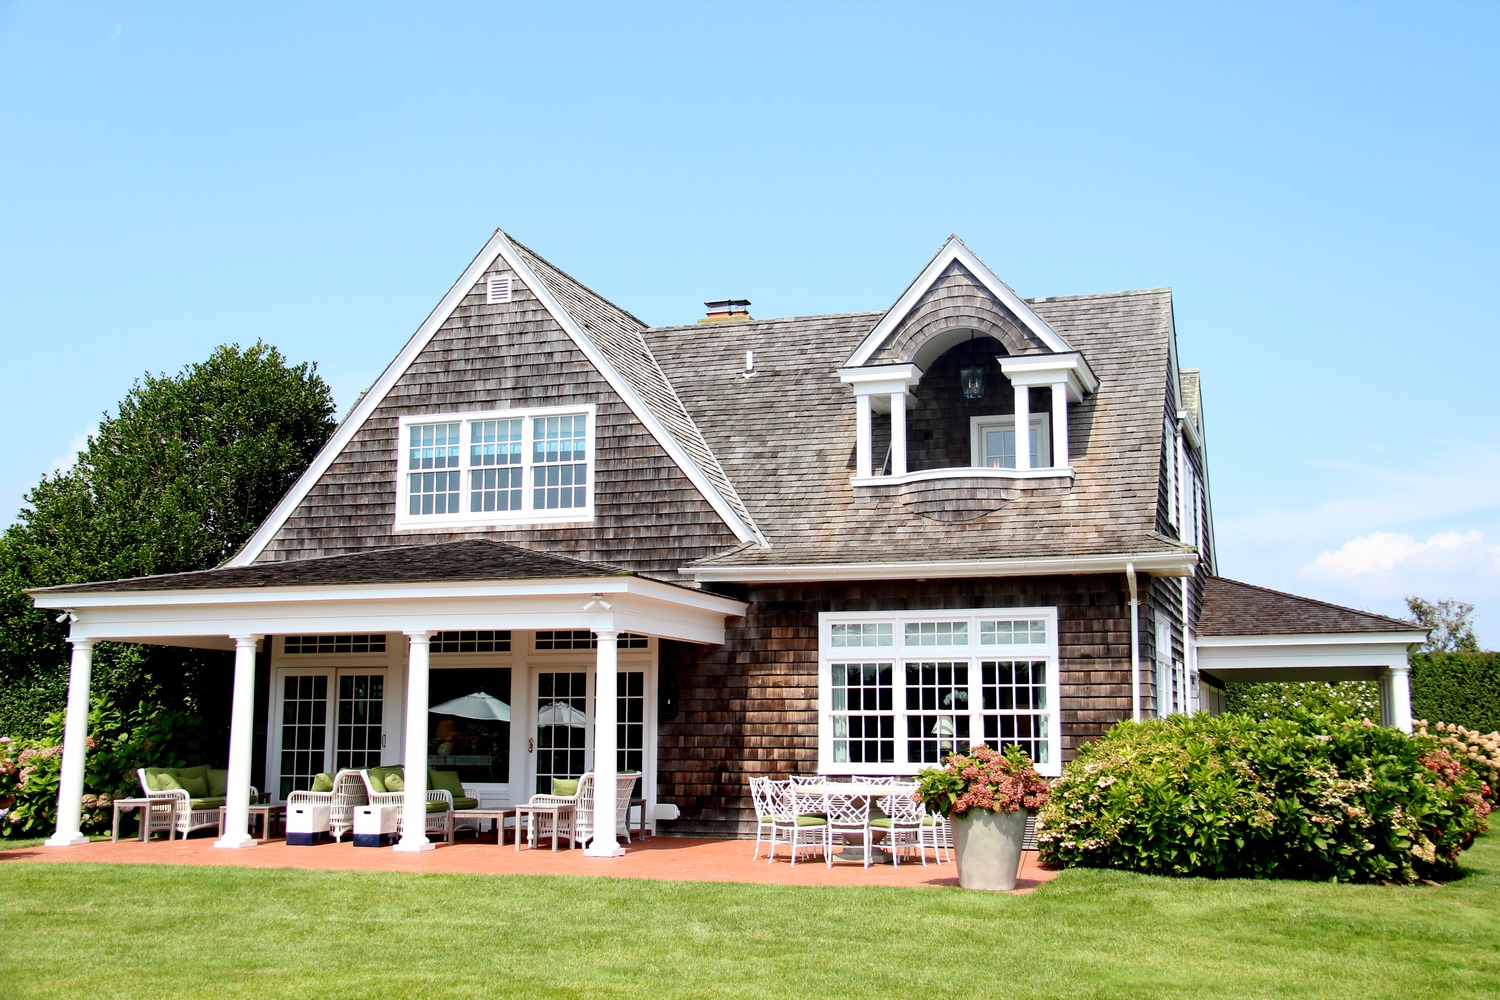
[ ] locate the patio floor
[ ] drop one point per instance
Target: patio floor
(669, 858)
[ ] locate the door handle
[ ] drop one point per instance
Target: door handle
(531, 744)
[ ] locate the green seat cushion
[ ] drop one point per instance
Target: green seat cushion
(884, 823)
(812, 819)
(323, 782)
(564, 786)
(195, 785)
(207, 802)
(395, 783)
(437, 807)
(464, 802)
(446, 780)
(218, 782)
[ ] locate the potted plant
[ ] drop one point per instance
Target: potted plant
(986, 795)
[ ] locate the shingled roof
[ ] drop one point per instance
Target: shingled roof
(475, 559)
(785, 436)
(1234, 608)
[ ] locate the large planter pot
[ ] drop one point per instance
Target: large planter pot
(988, 848)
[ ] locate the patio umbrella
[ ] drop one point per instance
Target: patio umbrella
(560, 713)
(475, 706)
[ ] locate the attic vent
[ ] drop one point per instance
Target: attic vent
(497, 290)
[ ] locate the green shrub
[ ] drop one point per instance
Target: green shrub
(31, 772)
(1277, 699)
(1458, 688)
(1305, 796)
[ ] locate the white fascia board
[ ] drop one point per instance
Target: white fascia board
(1165, 564)
(881, 379)
(1045, 369)
(1185, 421)
(1403, 639)
(372, 398)
(953, 250)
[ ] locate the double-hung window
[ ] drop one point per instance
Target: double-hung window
(900, 691)
(496, 467)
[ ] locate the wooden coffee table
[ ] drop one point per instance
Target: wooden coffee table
(558, 811)
(268, 812)
(142, 807)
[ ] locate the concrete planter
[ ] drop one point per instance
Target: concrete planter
(988, 848)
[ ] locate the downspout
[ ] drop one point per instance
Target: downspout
(1135, 644)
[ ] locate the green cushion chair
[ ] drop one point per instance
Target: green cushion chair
(185, 799)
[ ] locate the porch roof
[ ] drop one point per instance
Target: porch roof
(1234, 608)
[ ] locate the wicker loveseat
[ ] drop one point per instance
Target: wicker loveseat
(184, 799)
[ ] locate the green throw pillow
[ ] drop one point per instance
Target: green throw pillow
(218, 783)
(376, 779)
(447, 780)
(395, 783)
(564, 786)
(196, 771)
(323, 782)
(163, 781)
(196, 786)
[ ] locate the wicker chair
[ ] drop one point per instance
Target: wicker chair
(583, 815)
(175, 811)
(439, 820)
(349, 790)
(544, 825)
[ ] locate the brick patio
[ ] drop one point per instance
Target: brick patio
(670, 858)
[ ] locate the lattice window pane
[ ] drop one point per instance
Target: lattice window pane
(562, 727)
(872, 635)
(361, 720)
(631, 721)
(495, 465)
(937, 633)
(585, 639)
(308, 644)
(864, 719)
(304, 730)
(937, 707)
(1018, 633)
(470, 642)
(433, 449)
(1014, 701)
(559, 457)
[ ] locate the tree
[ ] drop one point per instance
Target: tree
(1451, 622)
(177, 480)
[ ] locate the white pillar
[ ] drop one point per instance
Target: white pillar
(75, 749)
(1023, 427)
(241, 716)
(898, 433)
(1400, 699)
(1060, 457)
(862, 436)
(606, 745)
(414, 805)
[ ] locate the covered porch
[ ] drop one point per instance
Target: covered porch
(510, 666)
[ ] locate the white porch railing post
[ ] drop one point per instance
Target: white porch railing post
(1399, 680)
(1060, 457)
(75, 749)
(606, 744)
(1023, 427)
(414, 805)
(241, 713)
(863, 463)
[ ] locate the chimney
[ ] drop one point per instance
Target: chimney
(727, 311)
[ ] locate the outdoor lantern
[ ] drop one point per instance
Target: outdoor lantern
(972, 380)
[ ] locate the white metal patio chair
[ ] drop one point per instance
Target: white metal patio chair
(848, 815)
(770, 798)
(905, 820)
(805, 824)
(350, 789)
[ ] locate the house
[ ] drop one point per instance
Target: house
(844, 543)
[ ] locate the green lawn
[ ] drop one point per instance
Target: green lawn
(73, 930)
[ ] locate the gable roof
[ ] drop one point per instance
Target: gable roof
(473, 559)
(608, 336)
(1234, 608)
(954, 250)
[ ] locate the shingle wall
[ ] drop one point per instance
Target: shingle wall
(956, 298)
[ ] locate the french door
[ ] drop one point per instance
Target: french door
(564, 735)
(328, 720)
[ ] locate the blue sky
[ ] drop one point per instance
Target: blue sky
(1317, 183)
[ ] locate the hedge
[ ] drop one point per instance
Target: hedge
(1459, 688)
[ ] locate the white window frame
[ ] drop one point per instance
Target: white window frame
(898, 655)
(1040, 422)
(528, 514)
(1166, 700)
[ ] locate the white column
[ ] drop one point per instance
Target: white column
(414, 805)
(1399, 678)
(241, 716)
(862, 436)
(1023, 427)
(75, 749)
(606, 744)
(1060, 457)
(898, 433)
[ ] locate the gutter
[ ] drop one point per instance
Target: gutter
(1166, 564)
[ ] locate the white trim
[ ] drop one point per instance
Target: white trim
(1412, 638)
(898, 654)
(1045, 369)
(528, 515)
(963, 472)
(498, 246)
(1153, 563)
(1007, 421)
(953, 250)
(881, 380)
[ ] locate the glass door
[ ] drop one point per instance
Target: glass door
(304, 730)
(360, 734)
(562, 726)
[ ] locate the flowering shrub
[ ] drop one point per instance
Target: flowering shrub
(983, 779)
(1479, 751)
(30, 775)
(1300, 797)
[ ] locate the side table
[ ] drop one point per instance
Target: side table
(498, 815)
(143, 807)
(556, 812)
(267, 811)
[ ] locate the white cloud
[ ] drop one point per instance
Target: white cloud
(1384, 553)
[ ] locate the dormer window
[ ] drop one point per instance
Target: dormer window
(993, 442)
(495, 468)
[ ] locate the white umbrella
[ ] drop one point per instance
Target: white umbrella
(475, 706)
(560, 713)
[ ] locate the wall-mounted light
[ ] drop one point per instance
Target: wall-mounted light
(972, 381)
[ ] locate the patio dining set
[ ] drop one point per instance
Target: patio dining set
(869, 820)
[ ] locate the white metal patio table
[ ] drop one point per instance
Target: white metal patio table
(860, 789)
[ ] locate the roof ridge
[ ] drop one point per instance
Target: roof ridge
(1103, 295)
(740, 324)
(609, 302)
(1322, 603)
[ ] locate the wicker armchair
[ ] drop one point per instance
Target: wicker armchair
(349, 790)
(583, 816)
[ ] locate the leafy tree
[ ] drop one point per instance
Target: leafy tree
(1452, 624)
(176, 480)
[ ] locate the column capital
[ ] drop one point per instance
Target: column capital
(1403, 668)
(81, 643)
(423, 634)
(246, 638)
(607, 633)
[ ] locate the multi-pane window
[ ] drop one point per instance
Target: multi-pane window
(304, 730)
(361, 720)
(993, 441)
(481, 641)
(582, 638)
(495, 465)
(307, 644)
(432, 469)
(514, 466)
(894, 707)
(559, 455)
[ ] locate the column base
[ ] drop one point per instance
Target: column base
(609, 849)
(231, 842)
(66, 840)
(408, 846)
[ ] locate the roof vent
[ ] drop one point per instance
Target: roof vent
(726, 310)
(497, 289)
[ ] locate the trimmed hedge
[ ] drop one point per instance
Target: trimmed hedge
(1305, 797)
(1458, 688)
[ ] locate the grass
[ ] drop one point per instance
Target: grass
(73, 929)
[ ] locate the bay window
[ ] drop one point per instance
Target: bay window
(496, 467)
(900, 691)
